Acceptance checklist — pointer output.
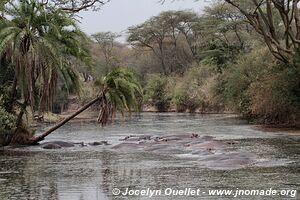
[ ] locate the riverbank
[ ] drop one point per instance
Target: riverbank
(293, 131)
(91, 116)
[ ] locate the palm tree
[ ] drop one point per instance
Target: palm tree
(42, 44)
(119, 91)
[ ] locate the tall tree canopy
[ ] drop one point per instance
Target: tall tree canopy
(70, 6)
(106, 42)
(74, 5)
(225, 34)
(42, 45)
(172, 34)
(278, 21)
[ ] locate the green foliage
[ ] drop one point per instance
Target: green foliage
(6, 77)
(5, 99)
(171, 37)
(42, 44)
(276, 97)
(225, 35)
(191, 92)
(7, 120)
(235, 81)
(184, 100)
(123, 89)
(61, 100)
(120, 91)
(106, 42)
(261, 89)
(156, 92)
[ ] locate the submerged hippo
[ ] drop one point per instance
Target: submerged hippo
(207, 145)
(61, 144)
(136, 138)
(51, 146)
(99, 143)
(206, 150)
(56, 145)
(228, 160)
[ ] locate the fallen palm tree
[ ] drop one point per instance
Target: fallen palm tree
(119, 91)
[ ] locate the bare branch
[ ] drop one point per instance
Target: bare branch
(262, 20)
(74, 6)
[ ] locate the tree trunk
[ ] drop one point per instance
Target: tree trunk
(37, 139)
(21, 114)
(13, 92)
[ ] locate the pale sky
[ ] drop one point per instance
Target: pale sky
(118, 15)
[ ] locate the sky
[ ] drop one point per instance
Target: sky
(118, 15)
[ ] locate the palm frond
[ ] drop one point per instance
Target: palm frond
(120, 89)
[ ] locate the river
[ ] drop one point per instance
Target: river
(93, 172)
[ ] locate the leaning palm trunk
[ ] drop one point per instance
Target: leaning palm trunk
(118, 93)
(41, 137)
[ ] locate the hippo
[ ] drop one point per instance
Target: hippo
(51, 146)
(206, 150)
(228, 160)
(56, 145)
(127, 146)
(207, 145)
(136, 138)
(99, 143)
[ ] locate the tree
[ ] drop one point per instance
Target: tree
(2, 4)
(282, 36)
(70, 6)
(41, 45)
(106, 42)
(150, 35)
(74, 6)
(225, 35)
(118, 92)
(156, 92)
(229, 25)
(170, 36)
(183, 33)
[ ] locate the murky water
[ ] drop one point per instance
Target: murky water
(91, 173)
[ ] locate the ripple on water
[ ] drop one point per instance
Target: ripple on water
(90, 173)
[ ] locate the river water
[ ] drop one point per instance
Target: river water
(93, 172)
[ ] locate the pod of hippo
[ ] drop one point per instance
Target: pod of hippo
(61, 144)
(206, 150)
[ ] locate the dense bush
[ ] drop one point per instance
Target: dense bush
(188, 93)
(193, 91)
(275, 99)
(261, 89)
(7, 122)
(186, 99)
(236, 80)
(5, 100)
(156, 92)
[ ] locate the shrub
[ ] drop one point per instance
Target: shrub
(191, 92)
(156, 92)
(261, 89)
(7, 122)
(275, 99)
(186, 97)
(234, 83)
(5, 99)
